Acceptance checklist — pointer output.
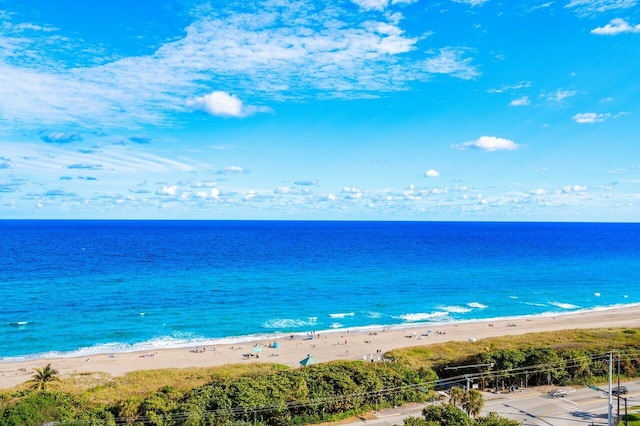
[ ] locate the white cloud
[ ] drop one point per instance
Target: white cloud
(575, 188)
(282, 190)
(168, 190)
(432, 173)
(471, 3)
(558, 96)
(450, 61)
(231, 170)
(517, 86)
(350, 190)
(379, 5)
(372, 4)
(616, 26)
(212, 193)
(591, 7)
(330, 52)
(590, 117)
(488, 143)
(224, 105)
(522, 101)
(538, 191)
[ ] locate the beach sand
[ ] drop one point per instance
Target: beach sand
(329, 346)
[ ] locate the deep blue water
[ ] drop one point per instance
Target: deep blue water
(77, 287)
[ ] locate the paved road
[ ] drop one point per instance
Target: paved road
(533, 407)
(580, 407)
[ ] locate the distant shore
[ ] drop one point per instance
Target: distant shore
(324, 346)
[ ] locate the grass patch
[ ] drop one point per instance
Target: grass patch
(103, 388)
(430, 356)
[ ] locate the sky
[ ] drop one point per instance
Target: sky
(462, 110)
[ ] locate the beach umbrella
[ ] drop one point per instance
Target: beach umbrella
(309, 360)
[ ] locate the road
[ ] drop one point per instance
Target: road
(533, 407)
(580, 407)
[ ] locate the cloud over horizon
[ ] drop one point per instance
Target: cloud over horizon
(488, 143)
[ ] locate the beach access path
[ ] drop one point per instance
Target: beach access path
(325, 347)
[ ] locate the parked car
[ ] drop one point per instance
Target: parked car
(622, 390)
(560, 393)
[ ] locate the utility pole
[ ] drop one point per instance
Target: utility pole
(466, 376)
(610, 406)
(618, 417)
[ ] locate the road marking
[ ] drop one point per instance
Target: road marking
(565, 403)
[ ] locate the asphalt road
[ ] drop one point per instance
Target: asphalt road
(581, 406)
(534, 406)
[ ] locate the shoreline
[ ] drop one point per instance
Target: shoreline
(359, 343)
(115, 348)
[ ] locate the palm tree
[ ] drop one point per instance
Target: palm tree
(472, 402)
(42, 376)
(457, 395)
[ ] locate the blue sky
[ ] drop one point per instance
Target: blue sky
(346, 110)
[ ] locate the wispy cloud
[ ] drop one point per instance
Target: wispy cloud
(313, 52)
(60, 137)
(590, 117)
(615, 27)
(307, 182)
(451, 61)
(591, 7)
(593, 117)
(471, 2)
(229, 170)
(522, 101)
(558, 96)
(432, 173)
(511, 87)
(79, 166)
(488, 143)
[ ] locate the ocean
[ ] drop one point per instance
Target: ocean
(72, 288)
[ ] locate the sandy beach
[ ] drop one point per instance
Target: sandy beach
(324, 347)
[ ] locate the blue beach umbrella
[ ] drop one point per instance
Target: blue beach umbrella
(309, 360)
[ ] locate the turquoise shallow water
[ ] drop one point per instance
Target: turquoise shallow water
(80, 287)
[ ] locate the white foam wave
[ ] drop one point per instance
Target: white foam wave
(564, 305)
(535, 304)
(288, 323)
(596, 294)
(342, 315)
(374, 315)
(455, 309)
(477, 305)
(18, 324)
(423, 316)
(336, 325)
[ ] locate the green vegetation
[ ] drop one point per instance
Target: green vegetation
(561, 358)
(267, 394)
(450, 415)
(43, 376)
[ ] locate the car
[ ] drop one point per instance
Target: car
(560, 393)
(622, 390)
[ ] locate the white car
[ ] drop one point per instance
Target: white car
(560, 393)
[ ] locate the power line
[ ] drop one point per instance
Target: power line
(239, 410)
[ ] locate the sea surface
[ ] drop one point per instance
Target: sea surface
(70, 288)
